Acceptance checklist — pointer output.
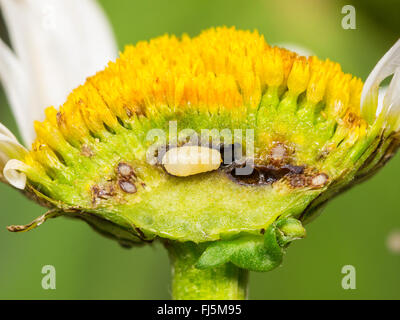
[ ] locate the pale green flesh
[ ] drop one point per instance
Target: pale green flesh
(187, 208)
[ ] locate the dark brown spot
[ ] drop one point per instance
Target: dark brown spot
(294, 169)
(262, 174)
(251, 179)
(270, 174)
(127, 186)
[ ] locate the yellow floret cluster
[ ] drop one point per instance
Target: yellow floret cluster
(221, 69)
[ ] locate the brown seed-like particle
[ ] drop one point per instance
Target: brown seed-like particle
(319, 180)
(127, 186)
(125, 170)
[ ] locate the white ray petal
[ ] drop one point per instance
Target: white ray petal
(392, 96)
(17, 89)
(10, 149)
(12, 172)
(384, 68)
(58, 43)
(381, 97)
(392, 100)
(6, 132)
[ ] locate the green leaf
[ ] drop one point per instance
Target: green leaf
(253, 252)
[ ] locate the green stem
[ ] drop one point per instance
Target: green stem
(226, 282)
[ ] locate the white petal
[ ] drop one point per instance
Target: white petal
(10, 149)
(14, 176)
(382, 93)
(17, 89)
(392, 100)
(385, 67)
(58, 44)
(392, 96)
(6, 132)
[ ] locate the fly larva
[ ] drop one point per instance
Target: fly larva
(189, 160)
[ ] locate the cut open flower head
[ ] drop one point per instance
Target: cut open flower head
(314, 132)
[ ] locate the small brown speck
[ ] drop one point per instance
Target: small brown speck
(127, 186)
(129, 112)
(103, 192)
(59, 117)
(86, 151)
(297, 181)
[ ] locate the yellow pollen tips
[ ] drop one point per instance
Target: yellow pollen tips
(189, 160)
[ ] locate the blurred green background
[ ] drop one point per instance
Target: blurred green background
(353, 229)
